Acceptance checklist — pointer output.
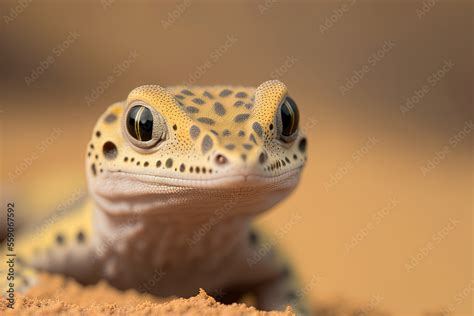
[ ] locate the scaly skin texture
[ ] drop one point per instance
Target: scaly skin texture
(169, 211)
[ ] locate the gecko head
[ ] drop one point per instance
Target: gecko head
(197, 147)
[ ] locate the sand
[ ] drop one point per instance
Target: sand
(57, 295)
(60, 296)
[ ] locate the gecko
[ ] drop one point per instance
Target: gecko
(175, 177)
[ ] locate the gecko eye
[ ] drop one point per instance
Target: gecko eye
(290, 118)
(144, 126)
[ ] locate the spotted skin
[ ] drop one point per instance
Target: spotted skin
(216, 159)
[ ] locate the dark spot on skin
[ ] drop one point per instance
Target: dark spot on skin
(241, 95)
(271, 127)
(98, 134)
(263, 157)
(194, 132)
(203, 169)
(207, 144)
(146, 164)
(238, 103)
(59, 239)
(92, 146)
(230, 146)
(258, 129)
(252, 139)
(138, 163)
(241, 118)
(158, 163)
(214, 132)
(89, 154)
(295, 157)
(244, 157)
(287, 160)
(283, 163)
(175, 127)
(206, 120)
(248, 106)
(191, 109)
(169, 163)
(247, 146)
(96, 157)
(101, 170)
(198, 101)
(186, 92)
(94, 170)
(226, 133)
(191, 169)
(241, 134)
(219, 109)
(302, 145)
(179, 96)
(291, 296)
(225, 93)
(253, 237)
(125, 159)
(110, 150)
(132, 160)
(182, 168)
(80, 237)
(198, 169)
(208, 95)
(286, 272)
(110, 118)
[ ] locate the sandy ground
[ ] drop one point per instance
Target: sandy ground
(61, 296)
(56, 295)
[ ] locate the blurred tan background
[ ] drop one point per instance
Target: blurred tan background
(383, 216)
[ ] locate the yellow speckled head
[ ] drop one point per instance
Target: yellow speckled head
(197, 137)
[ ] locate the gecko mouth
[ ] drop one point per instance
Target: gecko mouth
(118, 192)
(232, 180)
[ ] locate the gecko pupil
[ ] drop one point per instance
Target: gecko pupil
(140, 123)
(290, 117)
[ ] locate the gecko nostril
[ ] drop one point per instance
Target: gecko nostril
(221, 159)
